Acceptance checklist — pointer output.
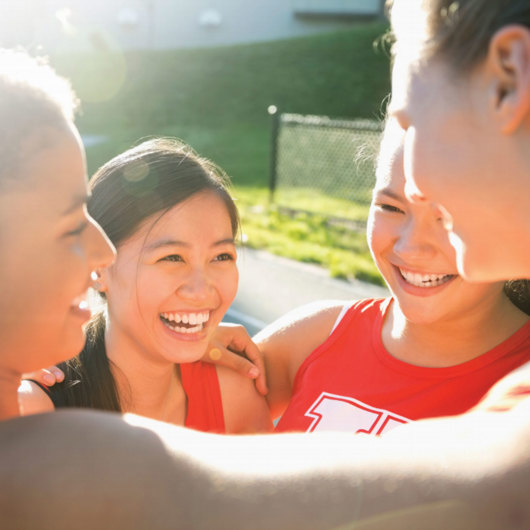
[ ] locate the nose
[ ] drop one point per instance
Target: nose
(416, 242)
(100, 250)
(445, 216)
(196, 285)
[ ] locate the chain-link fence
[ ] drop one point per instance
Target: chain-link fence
(323, 166)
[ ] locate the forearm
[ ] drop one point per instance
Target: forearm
(336, 480)
(87, 470)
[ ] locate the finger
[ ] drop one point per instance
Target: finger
(43, 376)
(261, 384)
(241, 343)
(253, 353)
(57, 372)
(507, 392)
(225, 357)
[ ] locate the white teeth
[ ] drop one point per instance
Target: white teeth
(179, 329)
(193, 319)
(425, 280)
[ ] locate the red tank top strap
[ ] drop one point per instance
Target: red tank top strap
(205, 407)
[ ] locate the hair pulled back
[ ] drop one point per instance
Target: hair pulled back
(459, 31)
(146, 180)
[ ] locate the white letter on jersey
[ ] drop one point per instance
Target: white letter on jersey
(331, 412)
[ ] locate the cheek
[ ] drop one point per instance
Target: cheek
(370, 227)
(378, 235)
(227, 282)
(123, 288)
(153, 286)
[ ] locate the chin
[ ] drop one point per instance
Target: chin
(191, 354)
(417, 313)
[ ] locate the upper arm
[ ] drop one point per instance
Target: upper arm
(245, 410)
(288, 341)
(32, 399)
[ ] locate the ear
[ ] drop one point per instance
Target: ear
(509, 61)
(99, 280)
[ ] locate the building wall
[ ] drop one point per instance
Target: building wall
(139, 24)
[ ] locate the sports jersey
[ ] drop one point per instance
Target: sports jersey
(351, 383)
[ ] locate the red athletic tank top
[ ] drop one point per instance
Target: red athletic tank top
(205, 408)
(351, 383)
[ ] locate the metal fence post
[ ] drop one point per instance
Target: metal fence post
(275, 126)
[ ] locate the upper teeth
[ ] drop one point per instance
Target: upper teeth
(424, 280)
(187, 318)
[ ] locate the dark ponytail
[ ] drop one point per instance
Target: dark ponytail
(88, 381)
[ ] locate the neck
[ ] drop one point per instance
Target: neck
(9, 383)
(147, 384)
(451, 341)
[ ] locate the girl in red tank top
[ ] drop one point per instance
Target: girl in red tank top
(433, 349)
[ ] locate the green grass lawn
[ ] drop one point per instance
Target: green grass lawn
(304, 237)
(216, 100)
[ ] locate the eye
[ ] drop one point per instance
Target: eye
(225, 256)
(172, 257)
(389, 208)
(77, 231)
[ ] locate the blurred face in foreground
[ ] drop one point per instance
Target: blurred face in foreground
(467, 147)
(50, 247)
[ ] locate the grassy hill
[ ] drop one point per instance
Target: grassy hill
(216, 99)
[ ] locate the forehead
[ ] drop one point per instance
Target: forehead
(52, 174)
(390, 170)
(409, 26)
(411, 85)
(204, 215)
(409, 51)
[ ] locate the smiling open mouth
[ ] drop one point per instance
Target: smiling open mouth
(425, 280)
(185, 322)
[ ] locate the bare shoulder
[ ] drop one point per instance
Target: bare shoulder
(288, 341)
(316, 317)
(245, 410)
(32, 399)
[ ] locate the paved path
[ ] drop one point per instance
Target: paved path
(270, 286)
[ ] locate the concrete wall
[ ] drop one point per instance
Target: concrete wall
(138, 24)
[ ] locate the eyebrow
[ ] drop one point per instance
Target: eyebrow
(78, 201)
(389, 193)
(162, 243)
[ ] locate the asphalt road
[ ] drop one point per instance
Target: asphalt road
(270, 286)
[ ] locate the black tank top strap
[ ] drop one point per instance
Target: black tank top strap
(44, 388)
(56, 397)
